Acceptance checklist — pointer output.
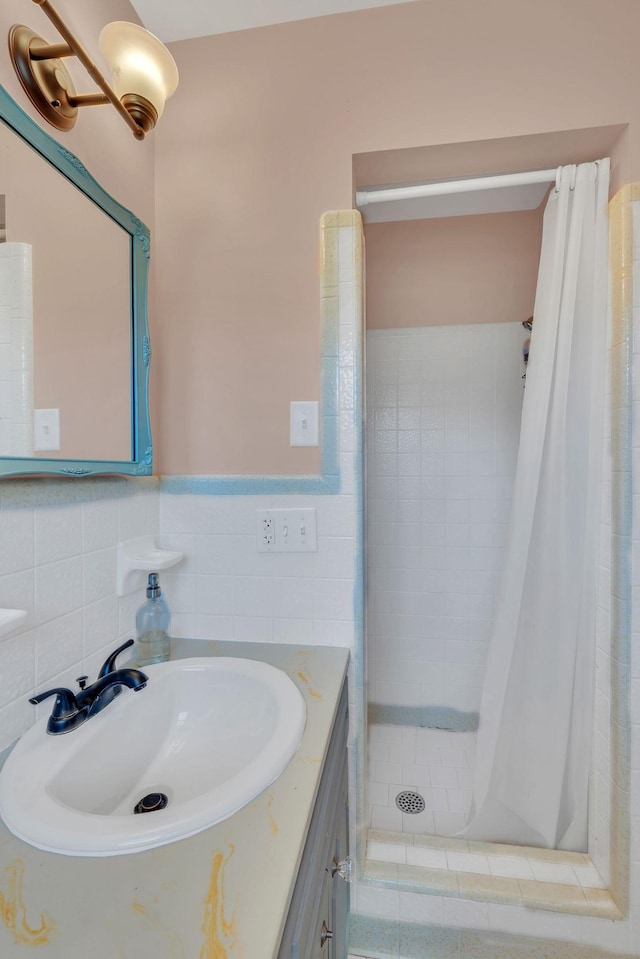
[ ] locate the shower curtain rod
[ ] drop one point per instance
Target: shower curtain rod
(446, 187)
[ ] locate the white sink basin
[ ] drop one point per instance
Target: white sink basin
(210, 734)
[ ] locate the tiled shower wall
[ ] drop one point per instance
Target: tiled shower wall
(487, 917)
(443, 425)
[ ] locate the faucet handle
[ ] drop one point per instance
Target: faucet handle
(66, 713)
(65, 703)
(109, 664)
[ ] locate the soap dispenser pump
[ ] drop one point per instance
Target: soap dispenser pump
(152, 627)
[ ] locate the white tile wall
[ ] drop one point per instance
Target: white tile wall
(57, 560)
(444, 408)
(225, 589)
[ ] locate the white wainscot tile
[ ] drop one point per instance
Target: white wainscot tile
(219, 515)
(336, 557)
(200, 626)
(213, 595)
(58, 533)
(253, 596)
(15, 719)
(17, 675)
(134, 516)
(253, 629)
(215, 554)
(333, 599)
(100, 625)
(17, 538)
(179, 591)
(58, 588)
(292, 598)
(93, 663)
(99, 524)
(333, 633)
(99, 572)
(58, 646)
(17, 592)
(178, 514)
(295, 631)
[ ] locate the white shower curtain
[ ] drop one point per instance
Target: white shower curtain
(534, 740)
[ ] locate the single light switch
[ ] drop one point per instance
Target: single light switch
(46, 429)
(304, 427)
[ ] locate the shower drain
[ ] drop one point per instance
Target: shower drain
(410, 802)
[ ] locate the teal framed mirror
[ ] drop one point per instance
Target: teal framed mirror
(74, 338)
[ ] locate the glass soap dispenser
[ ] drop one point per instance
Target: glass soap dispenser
(152, 627)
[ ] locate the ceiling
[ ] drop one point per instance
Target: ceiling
(200, 18)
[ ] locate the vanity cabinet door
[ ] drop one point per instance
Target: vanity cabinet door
(339, 886)
(316, 924)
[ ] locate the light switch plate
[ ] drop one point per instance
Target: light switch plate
(304, 423)
(46, 429)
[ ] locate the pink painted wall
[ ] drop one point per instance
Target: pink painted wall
(467, 269)
(71, 301)
(259, 142)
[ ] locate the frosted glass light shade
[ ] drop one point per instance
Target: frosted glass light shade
(140, 63)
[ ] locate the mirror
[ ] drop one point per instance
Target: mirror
(74, 343)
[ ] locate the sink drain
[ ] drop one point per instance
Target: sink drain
(410, 802)
(151, 803)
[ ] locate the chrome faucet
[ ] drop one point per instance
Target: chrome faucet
(72, 709)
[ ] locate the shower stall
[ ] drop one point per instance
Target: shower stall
(484, 511)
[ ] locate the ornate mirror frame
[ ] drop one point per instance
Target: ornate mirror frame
(140, 464)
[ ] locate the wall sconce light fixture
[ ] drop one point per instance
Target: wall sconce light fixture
(144, 72)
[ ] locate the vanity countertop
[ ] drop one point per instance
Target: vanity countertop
(221, 894)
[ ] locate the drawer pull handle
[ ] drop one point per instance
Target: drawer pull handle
(325, 934)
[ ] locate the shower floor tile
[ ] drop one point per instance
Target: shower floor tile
(436, 763)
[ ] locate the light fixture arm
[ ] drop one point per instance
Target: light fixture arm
(143, 72)
(73, 47)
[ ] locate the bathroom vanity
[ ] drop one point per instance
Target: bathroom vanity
(266, 883)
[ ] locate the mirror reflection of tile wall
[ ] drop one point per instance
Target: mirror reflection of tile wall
(16, 349)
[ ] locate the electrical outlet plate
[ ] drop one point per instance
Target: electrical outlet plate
(286, 530)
